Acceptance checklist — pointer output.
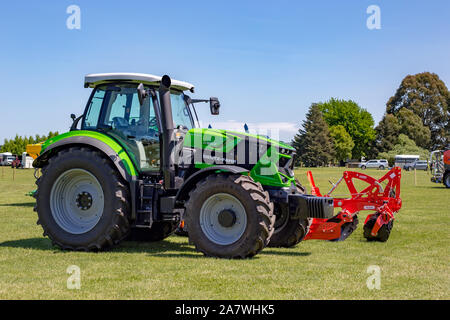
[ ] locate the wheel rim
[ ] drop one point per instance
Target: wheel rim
(76, 201)
(447, 180)
(223, 219)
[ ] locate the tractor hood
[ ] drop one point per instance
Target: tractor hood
(225, 140)
(268, 161)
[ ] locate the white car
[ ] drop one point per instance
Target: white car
(8, 160)
(379, 164)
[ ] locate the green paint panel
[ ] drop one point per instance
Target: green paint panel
(129, 166)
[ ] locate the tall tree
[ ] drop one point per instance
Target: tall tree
(412, 126)
(357, 121)
(387, 132)
(313, 142)
(428, 97)
(404, 145)
(343, 143)
(19, 143)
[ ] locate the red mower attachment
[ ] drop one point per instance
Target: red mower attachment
(381, 196)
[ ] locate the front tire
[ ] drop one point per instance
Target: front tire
(447, 180)
(229, 216)
(288, 232)
(81, 201)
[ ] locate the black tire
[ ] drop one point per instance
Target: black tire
(447, 179)
(113, 225)
(287, 231)
(158, 232)
(347, 229)
(383, 233)
(381, 167)
(363, 167)
(258, 212)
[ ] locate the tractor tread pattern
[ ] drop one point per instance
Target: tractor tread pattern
(262, 205)
(120, 225)
(296, 229)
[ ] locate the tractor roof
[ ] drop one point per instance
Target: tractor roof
(91, 80)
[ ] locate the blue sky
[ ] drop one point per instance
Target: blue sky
(267, 61)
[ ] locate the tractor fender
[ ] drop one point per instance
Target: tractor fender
(190, 182)
(52, 149)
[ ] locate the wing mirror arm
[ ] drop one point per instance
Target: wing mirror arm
(214, 104)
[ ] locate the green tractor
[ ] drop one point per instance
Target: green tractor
(135, 164)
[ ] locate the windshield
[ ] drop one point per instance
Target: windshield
(117, 106)
(180, 111)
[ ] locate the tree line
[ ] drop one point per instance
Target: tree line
(416, 121)
(18, 144)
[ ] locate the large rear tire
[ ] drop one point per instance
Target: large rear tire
(229, 216)
(81, 201)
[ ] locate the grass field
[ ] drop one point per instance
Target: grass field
(414, 262)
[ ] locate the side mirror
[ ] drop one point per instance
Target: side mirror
(142, 93)
(73, 117)
(214, 105)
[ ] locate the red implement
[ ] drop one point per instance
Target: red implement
(381, 196)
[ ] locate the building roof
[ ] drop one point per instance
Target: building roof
(91, 80)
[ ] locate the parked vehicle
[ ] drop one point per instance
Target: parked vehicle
(417, 164)
(138, 170)
(440, 166)
(3, 157)
(404, 159)
(378, 164)
(8, 160)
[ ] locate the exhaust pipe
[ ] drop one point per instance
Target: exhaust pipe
(168, 141)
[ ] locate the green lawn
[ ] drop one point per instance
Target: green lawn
(414, 262)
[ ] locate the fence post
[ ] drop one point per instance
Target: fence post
(415, 177)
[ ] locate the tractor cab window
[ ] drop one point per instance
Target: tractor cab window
(180, 111)
(181, 114)
(93, 112)
(115, 110)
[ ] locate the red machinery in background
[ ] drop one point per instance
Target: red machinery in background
(381, 196)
